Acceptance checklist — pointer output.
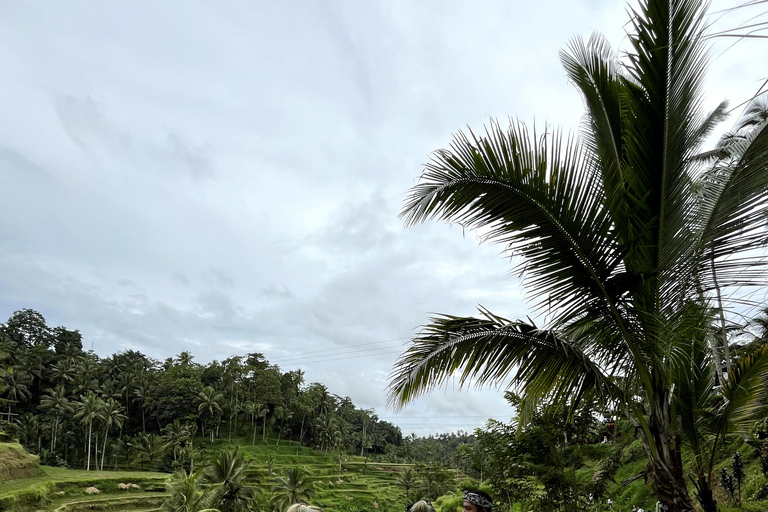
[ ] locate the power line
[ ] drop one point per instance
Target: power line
(342, 358)
(349, 352)
(326, 351)
(433, 417)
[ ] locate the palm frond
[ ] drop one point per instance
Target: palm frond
(594, 69)
(492, 350)
(538, 196)
(666, 66)
(733, 215)
(744, 392)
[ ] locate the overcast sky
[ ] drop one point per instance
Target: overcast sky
(225, 177)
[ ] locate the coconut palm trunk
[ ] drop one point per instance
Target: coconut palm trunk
(90, 435)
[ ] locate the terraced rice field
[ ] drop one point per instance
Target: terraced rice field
(356, 485)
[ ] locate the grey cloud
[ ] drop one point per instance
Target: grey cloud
(87, 125)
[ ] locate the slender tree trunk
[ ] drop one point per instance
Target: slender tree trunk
(90, 431)
(253, 442)
(106, 433)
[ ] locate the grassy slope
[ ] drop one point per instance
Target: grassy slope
(16, 463)
(360, 485)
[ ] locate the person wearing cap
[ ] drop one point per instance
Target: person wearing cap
(477, 501)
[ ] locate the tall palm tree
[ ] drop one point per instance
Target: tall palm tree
(408, 482)
(144, 392)
(627, 240)
(63, 371)
(112, 415)
(282, 414)
(127, 383)
(89, 409)
(55, 401)
(209, 401)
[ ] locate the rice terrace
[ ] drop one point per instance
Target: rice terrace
(212, 197)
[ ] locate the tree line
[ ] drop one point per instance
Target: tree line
(76, 409)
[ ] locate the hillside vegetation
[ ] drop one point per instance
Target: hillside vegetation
(16, 463)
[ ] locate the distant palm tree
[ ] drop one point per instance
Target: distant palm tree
(209, 401)
(127, 383)
(29, 428)
(15, 386)
(175, 435)
(187, 494)
(56, 401)
(144, 392)
(63, 371)
(408, 482)
(150, 446)
(185, 358)
(85, 376)
(282, 414)
(293, 488)
(111, 415)
(88, 409)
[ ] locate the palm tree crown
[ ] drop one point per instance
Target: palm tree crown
(628, 239)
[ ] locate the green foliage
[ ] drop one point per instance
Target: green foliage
(187, 494)
(537, 463)
(294, 487)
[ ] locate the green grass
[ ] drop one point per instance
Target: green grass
(363, 485)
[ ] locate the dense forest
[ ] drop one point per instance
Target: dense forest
(58, 395)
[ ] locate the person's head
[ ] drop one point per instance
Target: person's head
(303, 507)
(477, 501)
(420, 506)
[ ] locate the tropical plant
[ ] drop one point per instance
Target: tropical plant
(295, 487)
(144, 392)
(407, 482)
(738, 472)
(229, 469)
(15, 386)
(175, 435)
(631, 244)
(29, 429)
(111, 415)
(187, 494)
(210, 402)
(55, 401)
(89, 409)
(150, 446)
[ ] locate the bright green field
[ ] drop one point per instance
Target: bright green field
(357, 485)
